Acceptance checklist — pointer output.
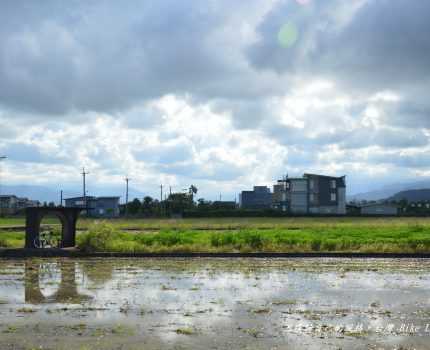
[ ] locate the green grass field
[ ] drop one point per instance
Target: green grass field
(20, 221)
(245, 235)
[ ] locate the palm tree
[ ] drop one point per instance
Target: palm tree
(192, 191)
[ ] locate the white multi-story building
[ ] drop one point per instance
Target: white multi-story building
(311, 194)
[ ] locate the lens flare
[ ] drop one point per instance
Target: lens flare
(287, 35)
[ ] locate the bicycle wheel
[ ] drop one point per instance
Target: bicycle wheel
(37, 243)
(40, 243)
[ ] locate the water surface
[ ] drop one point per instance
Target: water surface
(214, 304)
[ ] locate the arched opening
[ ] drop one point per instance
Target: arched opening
(67, 218)
(52, 226)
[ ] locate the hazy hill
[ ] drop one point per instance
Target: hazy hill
(412, 195)
(52, 194)
(390, 190)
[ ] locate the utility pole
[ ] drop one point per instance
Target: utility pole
(84, 174)
(127, 180)
(61, 198)
(1, 206)
(161, 199)
(170, 190)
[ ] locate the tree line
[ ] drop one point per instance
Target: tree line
(175, 203)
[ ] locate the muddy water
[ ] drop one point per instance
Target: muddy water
(214, 304)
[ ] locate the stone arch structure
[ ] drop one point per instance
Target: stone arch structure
(67, 216)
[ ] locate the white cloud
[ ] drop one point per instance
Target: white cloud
(202, 93)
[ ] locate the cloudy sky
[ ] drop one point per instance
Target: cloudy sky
(222, 94)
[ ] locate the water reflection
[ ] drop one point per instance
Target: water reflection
(97, 272)
(240, 302)
(67, 291)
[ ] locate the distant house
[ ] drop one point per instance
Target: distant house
(11, 204)
(8, 201)
(259, 198)
(385, 209)
(353, 209)
(311, 194)
(100, 207)
(26, 203)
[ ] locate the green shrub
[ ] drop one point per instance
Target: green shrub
(254, 240)
(11, 239)
(284, 240)
(316, 245)
(229, 238)
(416, 228)
(99, 237)
(328, 245)
(216, 240)
(412, 243)
(223, 239)
(298, 236)
(168, 238)
(145, 239)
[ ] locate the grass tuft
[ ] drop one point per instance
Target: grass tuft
(367, 235)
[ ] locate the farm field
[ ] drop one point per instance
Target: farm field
(394, 235)
(236, 223)
(111, 304)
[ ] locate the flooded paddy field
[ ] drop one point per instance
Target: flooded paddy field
(214, 304)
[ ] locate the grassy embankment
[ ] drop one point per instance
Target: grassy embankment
(251, 235)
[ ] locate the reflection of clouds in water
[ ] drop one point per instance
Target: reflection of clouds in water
(49, 278)
(11, 290)
(363, 288)
(229, 295)
(374, 281)
(97, 272)
(226, 292)
(190, 293)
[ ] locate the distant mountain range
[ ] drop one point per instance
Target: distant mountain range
(390, 191)
(412, 195)
(47, 194)
(414, 191)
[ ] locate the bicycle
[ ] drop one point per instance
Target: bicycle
(46, 240)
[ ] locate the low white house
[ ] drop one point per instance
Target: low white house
(379, 209)
(103, 207)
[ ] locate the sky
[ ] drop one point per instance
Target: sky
(220, 94)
